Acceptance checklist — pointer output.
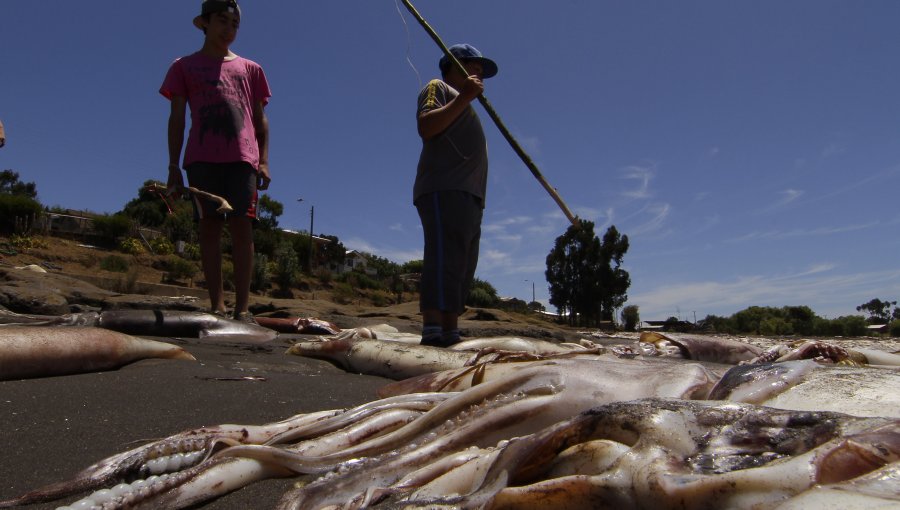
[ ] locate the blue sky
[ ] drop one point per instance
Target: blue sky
(749, 150)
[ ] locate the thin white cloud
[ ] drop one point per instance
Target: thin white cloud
(643, 175)
(393, 254)
(789, 195)
(786, 197)
(806, 232)
(855, 183)
(818, 287)
(491, 259)
(658, 214)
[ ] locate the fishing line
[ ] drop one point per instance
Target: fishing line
(408, 43)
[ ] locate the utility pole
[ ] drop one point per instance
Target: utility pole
(312, 245)
(309, 260)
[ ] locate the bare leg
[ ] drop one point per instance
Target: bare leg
(242, 253)
(211, 259)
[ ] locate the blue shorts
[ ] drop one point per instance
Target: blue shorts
(451, 222)
(235, 182)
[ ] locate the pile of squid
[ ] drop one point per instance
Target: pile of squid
(666, 422)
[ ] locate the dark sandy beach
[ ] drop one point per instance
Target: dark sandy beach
(53, 427)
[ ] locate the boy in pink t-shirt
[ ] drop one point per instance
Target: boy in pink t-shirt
(227, 151)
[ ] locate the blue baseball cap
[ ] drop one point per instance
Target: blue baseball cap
(213, 6)
(464, 52)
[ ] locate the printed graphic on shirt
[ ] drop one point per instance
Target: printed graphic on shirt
(224, 118)
(430, 102)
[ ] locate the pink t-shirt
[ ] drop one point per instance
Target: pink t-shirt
(221, 95)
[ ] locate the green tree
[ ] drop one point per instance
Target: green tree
(266, 241)
(586, 280)
(149, 208)
(17, 212)
(879, 311)
(570, 271)
(110, 228)
(613, 281)
(11, 185)
(750, 319)
(385, 269)
(537, 306)
(717, 324)
(331, 253)
(269, 211)
(18, 203)
(413, 266)
(482, 295)
(801, 319)
(631, 317)
(180, 225)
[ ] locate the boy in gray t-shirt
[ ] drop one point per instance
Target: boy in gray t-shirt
(449, 191)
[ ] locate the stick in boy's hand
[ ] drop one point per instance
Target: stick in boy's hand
(223, 205)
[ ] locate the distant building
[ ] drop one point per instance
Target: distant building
(355, 261)
(669, 325)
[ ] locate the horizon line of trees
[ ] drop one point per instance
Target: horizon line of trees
(586, 281)
(803, 321)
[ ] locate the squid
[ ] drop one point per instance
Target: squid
(27, 352)
(163, 323)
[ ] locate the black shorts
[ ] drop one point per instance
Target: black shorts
(451, 222)
(235, 182)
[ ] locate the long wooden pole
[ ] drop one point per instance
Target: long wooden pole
(490, 110)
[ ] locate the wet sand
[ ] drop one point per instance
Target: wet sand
(54, 427)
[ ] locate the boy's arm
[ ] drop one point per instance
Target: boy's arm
(261, 125)
(176, 140)
(433, 122)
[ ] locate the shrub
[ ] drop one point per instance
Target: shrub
(111, 228)
(114, 263)
(286, 265)
(17, 210)
(512, 305)
(192, 251)
(480, 298)
(260, 278)
(162, 246)
(227, 275)
(179, 269)
(380, 298)
(343, 293)
(360, 280)
(128, 284)
(482, 294)
(25, 243)
(131, 246)
(895, 328)
(324, 276)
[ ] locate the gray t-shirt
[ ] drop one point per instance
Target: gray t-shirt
(455, 159)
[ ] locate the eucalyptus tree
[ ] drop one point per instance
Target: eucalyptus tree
(587, 282)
